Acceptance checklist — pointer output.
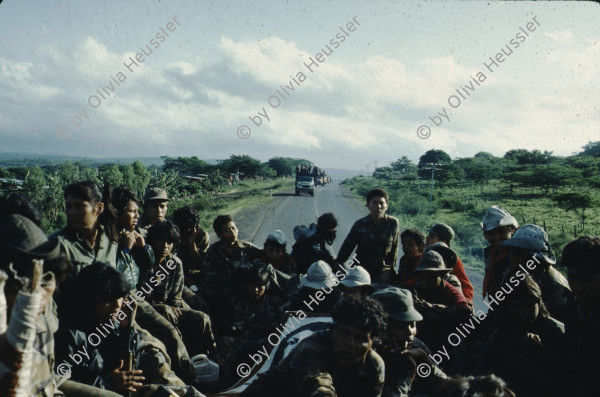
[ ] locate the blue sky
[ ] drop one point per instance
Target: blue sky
(364, 103)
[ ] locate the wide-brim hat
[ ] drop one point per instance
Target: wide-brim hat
(496, 217)
(319, 275)
(431, 262)
(19, 235)
(302, 232)
(398, 303)
(448, 255)
(534, 240)
(358, 277)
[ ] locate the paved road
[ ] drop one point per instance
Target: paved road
(287, 210)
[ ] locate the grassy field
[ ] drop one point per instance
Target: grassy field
(463, 207)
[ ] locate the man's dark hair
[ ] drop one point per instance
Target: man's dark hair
(15, 203)
(99, 283)
(220, 221)
(377, 193)
(583, 252)
(327, 221)
(364, 314)
(415, 234)
(121, 197)
(186, 218)
(258, 275)
(163, 231)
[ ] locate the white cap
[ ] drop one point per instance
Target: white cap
(497, 217)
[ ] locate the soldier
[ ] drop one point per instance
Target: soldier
(530, 252)
(581, 257)
(165, 287)
(194, 243)
(401, 351)
(375, 238)
(442, 305)
(156, 204)
(413, 246)
(313, 243)
(498, 225)
(274, 253)
(527, 348)
(223, 261)
(340, 362)
(100, 336)
(134, 254)
(444, 233)
(317, 293)
(356, 283)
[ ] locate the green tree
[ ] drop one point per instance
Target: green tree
(112, 175)
(548, 177)
(577, 202)
(245, 164)
(434, 157)
(591, 149)
(34, 186)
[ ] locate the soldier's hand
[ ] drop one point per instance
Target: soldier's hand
(176, 311)
(320, 385)
(127, 238)
(127, 380)
(139, 240)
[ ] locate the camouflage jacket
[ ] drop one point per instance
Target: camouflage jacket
(165, 284)
(314, 355)
(219, 266)
(376, 244)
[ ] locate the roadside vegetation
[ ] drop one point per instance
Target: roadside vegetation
(210, 188)
(561, 194)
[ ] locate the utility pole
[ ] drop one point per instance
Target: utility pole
(368, 170)
(432, 180)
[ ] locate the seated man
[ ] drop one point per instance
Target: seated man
(194, 243)
(275, 255)
(313, 243)
(339, 362)
(442, 305)
(444, 233)
(101, 342)
(356, 283)
(164, 292)
(530, 253)
(223, 261)
(317, 292)
(401, 351)
(498, 226)
(413, 246)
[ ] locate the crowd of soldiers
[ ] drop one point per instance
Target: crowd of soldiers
(118, 304)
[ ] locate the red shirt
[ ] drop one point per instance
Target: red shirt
(459, 272)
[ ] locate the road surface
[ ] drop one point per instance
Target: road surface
(287, 210)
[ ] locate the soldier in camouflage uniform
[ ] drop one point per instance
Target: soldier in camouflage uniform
(100, 336)
(164, 291)
(530, 253)
(194, 243)
(221, 266)
(253, 313)
(527, 349)
(375, 238)
(340, 362)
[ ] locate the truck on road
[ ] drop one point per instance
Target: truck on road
(305, 179)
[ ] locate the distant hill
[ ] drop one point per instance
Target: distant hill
(23, 159)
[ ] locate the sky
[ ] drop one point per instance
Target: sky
(273, 78)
